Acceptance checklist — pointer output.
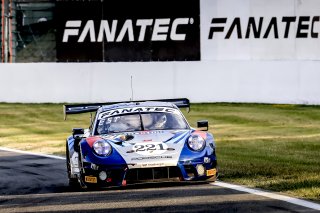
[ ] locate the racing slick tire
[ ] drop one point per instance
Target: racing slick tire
(73, 182)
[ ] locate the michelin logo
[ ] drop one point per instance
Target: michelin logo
(162, 29)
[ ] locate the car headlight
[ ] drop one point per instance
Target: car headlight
(196, 142)
(102, 148)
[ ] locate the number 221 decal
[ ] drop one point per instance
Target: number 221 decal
(150, 148)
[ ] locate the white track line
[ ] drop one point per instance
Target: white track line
(288, 199)
(31, 153)
(295, 201)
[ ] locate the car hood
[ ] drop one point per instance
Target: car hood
(151, 148)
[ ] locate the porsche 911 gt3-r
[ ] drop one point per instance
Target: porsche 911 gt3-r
(140, 141)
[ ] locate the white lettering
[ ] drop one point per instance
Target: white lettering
(173, 35)
(127, 27)
(71, 32)
(143, 23)
(160, 29)
(137, 109)
(105, 28)
(264, 28)
(89, 28)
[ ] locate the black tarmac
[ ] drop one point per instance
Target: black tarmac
(30, 183)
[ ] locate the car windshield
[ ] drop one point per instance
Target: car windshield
(140, 122)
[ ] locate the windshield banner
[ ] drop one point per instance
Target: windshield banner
(137, 110)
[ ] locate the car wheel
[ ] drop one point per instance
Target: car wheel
(73, 182)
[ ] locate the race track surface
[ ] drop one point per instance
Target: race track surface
(30, 183)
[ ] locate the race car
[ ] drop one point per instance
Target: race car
(138, 141)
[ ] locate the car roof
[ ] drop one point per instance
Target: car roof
(136, 104)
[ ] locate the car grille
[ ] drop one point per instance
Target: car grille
(153, 174)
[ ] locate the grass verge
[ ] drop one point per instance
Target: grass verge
(273, 147)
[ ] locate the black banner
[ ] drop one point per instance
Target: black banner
(128, 30)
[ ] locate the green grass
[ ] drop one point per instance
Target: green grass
(37, 127)
(273, 147)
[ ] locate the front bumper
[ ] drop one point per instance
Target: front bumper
(119, 175)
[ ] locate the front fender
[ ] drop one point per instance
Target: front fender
(88, 156)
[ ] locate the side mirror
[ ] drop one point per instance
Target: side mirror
(203, 125)
(77, 133)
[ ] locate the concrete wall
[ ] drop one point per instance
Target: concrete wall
(275, 69)
(295, 82)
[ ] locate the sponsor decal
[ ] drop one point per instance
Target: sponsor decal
(146, 165)
(264, 28)
(152, 157)
(146, 132)
(90, 179)
(150, 148)
(211, 172)
(136, 110)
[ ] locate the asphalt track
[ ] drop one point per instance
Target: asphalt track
(30, 183)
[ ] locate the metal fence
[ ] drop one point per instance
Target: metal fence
(35, 31)
(31, 31)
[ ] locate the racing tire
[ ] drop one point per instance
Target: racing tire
(73, 182)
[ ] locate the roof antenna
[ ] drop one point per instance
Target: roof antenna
(131, 90)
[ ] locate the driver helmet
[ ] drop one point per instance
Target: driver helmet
(131, 120)
(161, 121)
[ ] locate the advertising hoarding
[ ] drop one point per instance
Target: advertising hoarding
(123, 30)
(260, 30)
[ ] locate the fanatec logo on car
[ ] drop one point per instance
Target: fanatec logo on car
(162, 30)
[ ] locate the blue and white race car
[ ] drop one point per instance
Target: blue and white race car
(140, 141)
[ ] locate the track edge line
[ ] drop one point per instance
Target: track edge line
(31, 153)
(275, 196)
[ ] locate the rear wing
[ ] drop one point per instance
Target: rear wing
(83, 108)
